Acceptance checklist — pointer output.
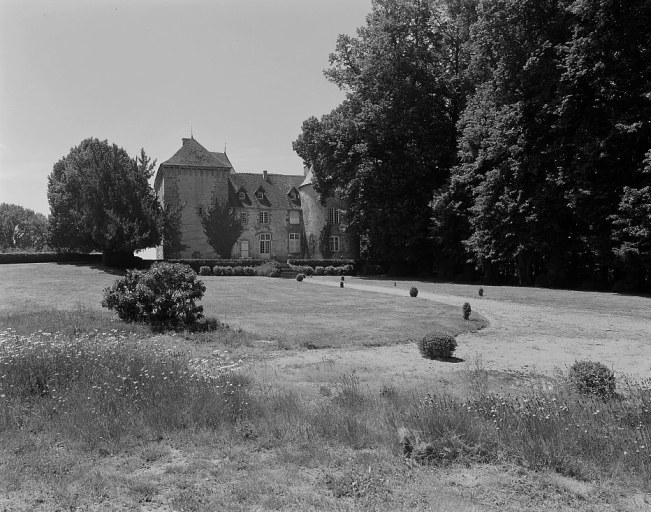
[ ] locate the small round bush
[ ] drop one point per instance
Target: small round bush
(238, 271)
(330, 271)
(249, 271)
(218, 271)
(437, 346)
(591, 377)
(466, 310)
(300, 277)
(309, 271)
(481, 292)
(163, 296)
(413, 291)
(346, 270)
(319, 271)
(205, 271)
(228, 271)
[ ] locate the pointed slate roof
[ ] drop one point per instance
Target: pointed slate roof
(193, 154)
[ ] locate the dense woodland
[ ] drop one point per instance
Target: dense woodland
(501, 140)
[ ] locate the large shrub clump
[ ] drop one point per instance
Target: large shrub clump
(163, 296)
(437, 346)
(591, 377)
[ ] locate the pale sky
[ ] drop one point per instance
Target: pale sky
(140, 73)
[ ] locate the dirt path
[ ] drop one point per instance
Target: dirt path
(520, 337)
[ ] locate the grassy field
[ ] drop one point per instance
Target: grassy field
(99, 415)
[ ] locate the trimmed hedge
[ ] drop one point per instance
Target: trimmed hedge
(197, 264)
(48, 257)
(321, 263)
(330, 270)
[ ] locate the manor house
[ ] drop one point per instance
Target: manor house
(278, 216)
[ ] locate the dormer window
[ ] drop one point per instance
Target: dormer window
(242, 196)
(293, 195)
(260, 195)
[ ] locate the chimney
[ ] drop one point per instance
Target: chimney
(264, 176)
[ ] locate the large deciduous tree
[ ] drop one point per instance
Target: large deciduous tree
(392, 141)
(100, 200)
(21, 228)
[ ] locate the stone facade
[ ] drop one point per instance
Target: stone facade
(275, 216)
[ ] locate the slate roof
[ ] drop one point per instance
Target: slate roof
(276, 189)
(193, 154)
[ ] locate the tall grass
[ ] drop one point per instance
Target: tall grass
(104, 386)
(556, 429)
(101, 388)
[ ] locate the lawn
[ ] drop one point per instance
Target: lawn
(286, 312)
(99, 415)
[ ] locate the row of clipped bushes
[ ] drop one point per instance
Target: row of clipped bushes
(319, 270)
(267, 269)
(323, 263)
(48, 257)
(212, 263)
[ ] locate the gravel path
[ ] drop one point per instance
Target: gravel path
(520, 337)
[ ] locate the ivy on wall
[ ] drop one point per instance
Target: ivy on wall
(324, 241)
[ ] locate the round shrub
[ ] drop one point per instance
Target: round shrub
(481, 292)
(437, 346)
(413, 291)
(218, 271)
(205, 271)
(249, 271)
(319, 271)
(238, 271)
(330, 271)
(591, 377)
(466, 310)
(164, 296)
(268, 269)
(228, 271)
(346, 270)
(309, 271)
(300, 277)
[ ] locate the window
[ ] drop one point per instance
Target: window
(264, 217)
(260, 195)
(334, 216)
(244, 218)
(334, 243)
(294, 243)
(265, 243)
(293, 195)
(200, 211)
(244, 249)
(294, 217)
(242, 196)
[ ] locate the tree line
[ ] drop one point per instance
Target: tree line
(502, 140)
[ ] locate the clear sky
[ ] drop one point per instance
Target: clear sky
(140, 73)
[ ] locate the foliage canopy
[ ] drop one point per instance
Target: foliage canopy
(101, 200)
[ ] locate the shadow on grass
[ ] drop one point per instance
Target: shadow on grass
(95, 266)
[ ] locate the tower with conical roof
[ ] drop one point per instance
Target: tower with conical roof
(195, 179)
